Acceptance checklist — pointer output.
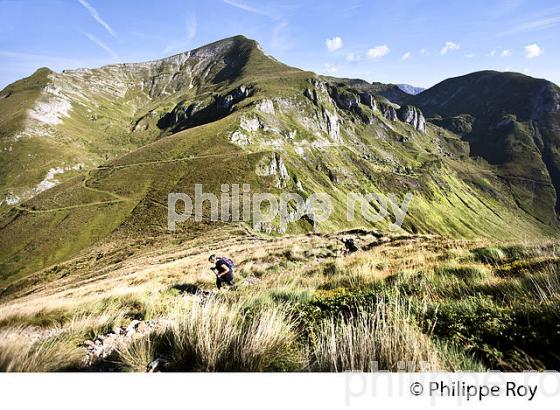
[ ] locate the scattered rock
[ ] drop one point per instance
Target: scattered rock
(266, 106)
(104, 347)
(240, 138)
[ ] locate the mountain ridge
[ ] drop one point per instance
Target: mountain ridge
(510, 119)
(239, 116)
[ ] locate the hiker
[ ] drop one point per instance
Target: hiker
(350, 246)
(223, 269)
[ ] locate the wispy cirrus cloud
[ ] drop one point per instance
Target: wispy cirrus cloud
(102, 45)
(248, 8)
(406, 56)
(280, 37)
(191, 29)
(93, 12)
(549, 20)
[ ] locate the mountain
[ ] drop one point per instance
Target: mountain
(410, 89)
(512, 121)
(89, 156)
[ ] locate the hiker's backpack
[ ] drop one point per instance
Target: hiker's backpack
(228, 262)
(350, 245)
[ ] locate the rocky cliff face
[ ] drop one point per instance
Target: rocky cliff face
(413, 116)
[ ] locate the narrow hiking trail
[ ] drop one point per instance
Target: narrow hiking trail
(118, 198)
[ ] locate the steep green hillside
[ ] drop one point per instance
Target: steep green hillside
(512, 121)
(52, 125)
(228, 113)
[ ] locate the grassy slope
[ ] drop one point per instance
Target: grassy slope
(509, 119)
(127, 196)
(456, 305)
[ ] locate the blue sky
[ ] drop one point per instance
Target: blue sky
(416, 42)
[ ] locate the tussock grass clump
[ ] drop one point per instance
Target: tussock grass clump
(355, 272)
(135, 356)
(455, 358)
(489, 254)
(380, 339)
(215, 336)
(455, 255)
(463, 271)
(58, 353)
(528, 267)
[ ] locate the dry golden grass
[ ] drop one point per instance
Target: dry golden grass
(52, 354)
(381, 339)
(218, 336)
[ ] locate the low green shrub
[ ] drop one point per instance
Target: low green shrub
(489, 254)
(467, 272)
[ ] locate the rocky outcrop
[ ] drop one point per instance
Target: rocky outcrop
(240, 138)
(413, 116)
(186, 115)
(274, 166)
(317, 93)
(266, 106)
(368, 100)
(350, 102)
(333, 128)
(235, 96)
(389, 112)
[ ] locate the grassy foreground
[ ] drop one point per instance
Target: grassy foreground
(408, 303)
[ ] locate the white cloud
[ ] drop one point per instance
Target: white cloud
(407, 55)
(97, 17)
(102, 45)
(333, 44)
(470, 55)
(378, 51)
(526, 70)
(492, 53)
(353, 57)
(533, 51)
(329, 68)
(423, 52)
(505, 53)
(449, 46)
